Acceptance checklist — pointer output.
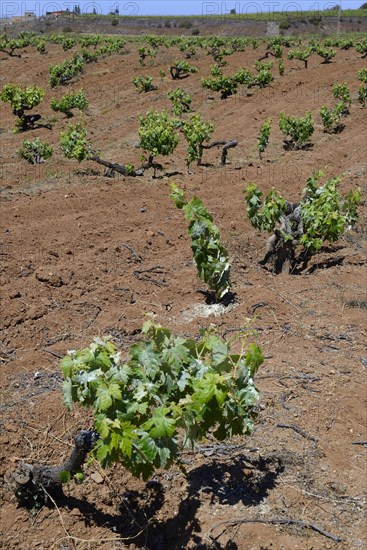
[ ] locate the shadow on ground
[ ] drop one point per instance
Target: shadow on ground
(227, 482)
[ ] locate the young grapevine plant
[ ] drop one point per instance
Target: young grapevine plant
(157, 134)
(74, 144)
(22, 99)
(331, 118)
(341, 92)
(210, 256)
(181, 101)
(226, 85)
(170, 393)
(321, 215)
(326, 53)
(144, 84)
(9, 45)
(264, 215)
(301, 55)
(65, 71)
(297, 131)
(325, 213)
(362, 91)
(361, 47)
(181, 69)
(263, 137)
(74, 100)
(196, 132)
(35, 152)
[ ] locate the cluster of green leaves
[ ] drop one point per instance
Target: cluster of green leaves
(243, 76)
(144, 84)
(56, 38)
(74, 143)
(264, 76)
(40, 44)
(65, 71)
(171, 392)
(90, 40)
(341, 91)
(112, 45)
(180, 68)
(297, 130)
(68, 43)
(226, 85)
(261, 65)
(196, 131)
(157, 134)
(21, 99)
(362, 75)
(331, 117)
(9, 45)
(107, 45)
(339, 42)
(264, 215)
(326, 53)
(144, 52)
(281, 67)
(210, 256)
(275, 46)
(181, 101)
(73, 100)
(301, 55)
(218, 54)
(187, 48)
(325, 213)
(89, 57)
(362, 90)
(35, 152)
(264, 135)
(361, 47)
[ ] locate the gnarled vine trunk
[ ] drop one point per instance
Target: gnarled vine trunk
(112, 167)
(28, 480)
(226, 144)
(280, 252)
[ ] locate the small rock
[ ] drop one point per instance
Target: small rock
(96, 477)
(48, 277)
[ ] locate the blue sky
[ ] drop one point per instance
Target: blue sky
(172, 7)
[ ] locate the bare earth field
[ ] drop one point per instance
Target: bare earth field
(85, 255)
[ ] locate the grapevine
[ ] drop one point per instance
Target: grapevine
(210, 256)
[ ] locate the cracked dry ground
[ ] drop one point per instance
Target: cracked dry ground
(75, 250)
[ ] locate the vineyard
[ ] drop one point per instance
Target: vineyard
(183, 274)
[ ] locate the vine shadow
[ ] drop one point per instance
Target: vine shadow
(225, 481)
(210, 298)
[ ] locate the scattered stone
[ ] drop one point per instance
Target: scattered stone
(96, 477)
(48, 277)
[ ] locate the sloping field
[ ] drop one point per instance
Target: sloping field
(86, 255)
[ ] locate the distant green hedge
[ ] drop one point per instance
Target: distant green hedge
(263, 16)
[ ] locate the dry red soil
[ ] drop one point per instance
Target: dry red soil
(85, 255)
